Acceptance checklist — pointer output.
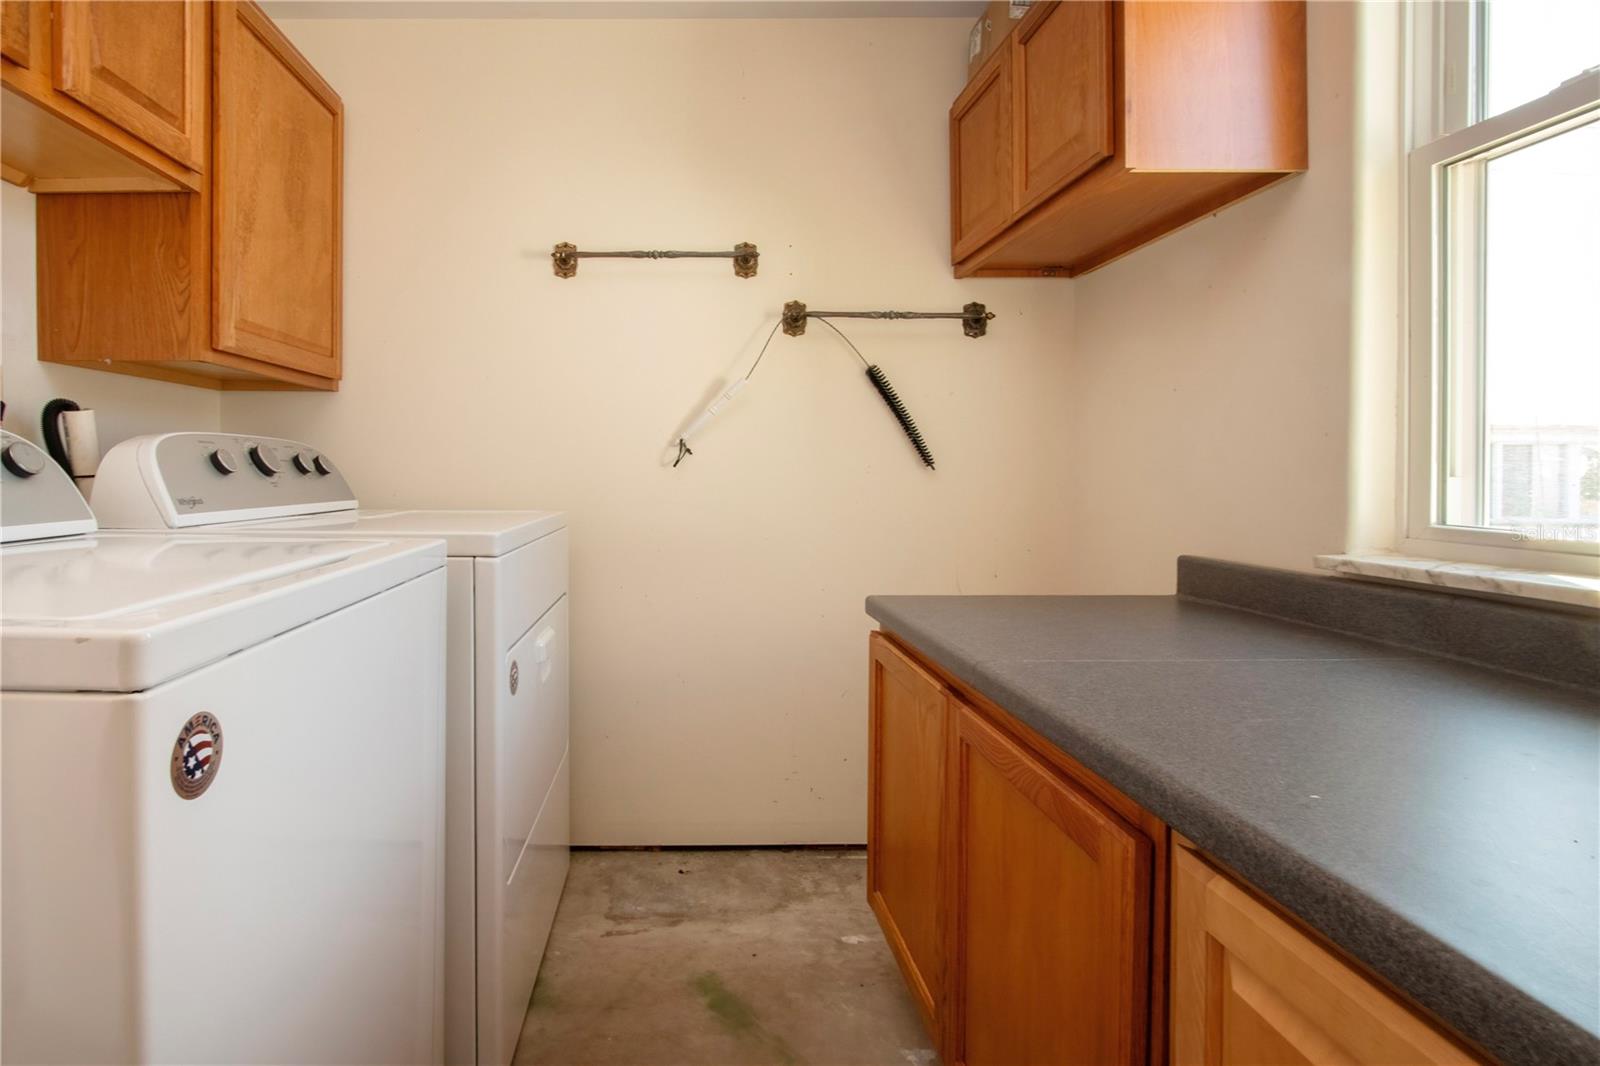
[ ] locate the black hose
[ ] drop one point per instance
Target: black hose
(50, 430)
(897, 405)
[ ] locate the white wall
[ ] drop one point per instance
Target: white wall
(124, 406)
(1232, 387)
(719, 665)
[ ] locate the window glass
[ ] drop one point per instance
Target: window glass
(1534, 409)
(1534, 45)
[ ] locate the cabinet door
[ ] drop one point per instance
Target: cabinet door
(981, 180)
(908, 747)
(1247, 987)
(141, 64)
(277, 185)
(16, 31)
(1051, 899)
(1063, 96)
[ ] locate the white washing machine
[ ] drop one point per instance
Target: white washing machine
(507, 790)
(221, 775)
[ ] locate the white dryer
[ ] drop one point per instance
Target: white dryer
(222, 770)
(507, 789)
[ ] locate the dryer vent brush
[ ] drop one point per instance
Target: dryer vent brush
(897, 405)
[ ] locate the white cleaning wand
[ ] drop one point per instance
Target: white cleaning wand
(721, 401)
(704, 417)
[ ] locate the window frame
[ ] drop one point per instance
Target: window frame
(1447, 83)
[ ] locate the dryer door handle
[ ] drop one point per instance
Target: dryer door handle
(541, 651)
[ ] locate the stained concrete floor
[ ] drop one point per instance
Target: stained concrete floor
(694, 958)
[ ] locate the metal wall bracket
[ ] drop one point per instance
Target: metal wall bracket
(565, 258)
(974, 317)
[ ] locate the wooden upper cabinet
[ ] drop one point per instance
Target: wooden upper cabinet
(235, 285)
(1130, 120)
(103, 97)
(1050, 894)
(276, 199)
(1216, 86)
(982, 179)
(1062, 70)
(1248, 987)
(141, 64)
(908, 745)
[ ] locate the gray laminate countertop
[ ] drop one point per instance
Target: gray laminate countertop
(1437, 820)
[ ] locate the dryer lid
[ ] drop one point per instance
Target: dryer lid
(481, 534)
(124, 612)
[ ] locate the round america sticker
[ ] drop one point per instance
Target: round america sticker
(197, 755)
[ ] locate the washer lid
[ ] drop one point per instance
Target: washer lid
(465, 533)
(122, 612)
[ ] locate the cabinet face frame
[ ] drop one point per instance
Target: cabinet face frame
(229, 263)
(1122, 852)
(931, 700)
(1091, 68)
(992, 87)
(81, 74)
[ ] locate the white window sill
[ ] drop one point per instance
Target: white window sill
(1569, 589)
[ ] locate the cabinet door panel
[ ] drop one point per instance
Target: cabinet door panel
(16, 31)
(1051, 893)
(1248, 988)
(908, 750)
(1063, 97)
(141, 64)
(276, 196)
(981, 193)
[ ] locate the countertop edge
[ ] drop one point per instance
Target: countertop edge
(1475, 1002)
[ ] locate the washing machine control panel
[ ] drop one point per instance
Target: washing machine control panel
(175, 480)
(37, 497)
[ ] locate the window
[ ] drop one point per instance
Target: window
(1503, 205)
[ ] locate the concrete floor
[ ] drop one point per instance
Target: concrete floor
(720, 957)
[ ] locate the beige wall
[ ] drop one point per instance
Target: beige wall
(1226, 382)
(1210, 394)
(124, 406)
(719, 664)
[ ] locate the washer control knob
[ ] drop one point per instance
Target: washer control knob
(322, 465)
(22, 459)
(223, 462)
(262, 461)
(306, 462)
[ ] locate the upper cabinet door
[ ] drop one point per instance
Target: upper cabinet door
(1063, 96)
(981, 194)
(1050, 894)
(16, 31)
(141, 64)
(277, 186)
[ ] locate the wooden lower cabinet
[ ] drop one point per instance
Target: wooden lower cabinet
(1049, 894)
(1034, 910)
(1248, 987)
(1017, 901)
